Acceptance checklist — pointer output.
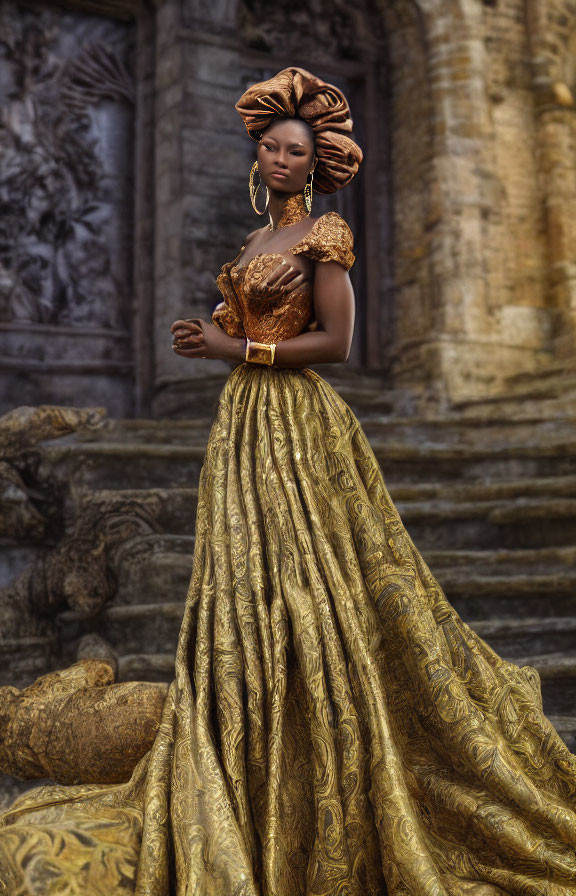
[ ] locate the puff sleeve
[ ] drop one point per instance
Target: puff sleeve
(330, 239)
(227, 314)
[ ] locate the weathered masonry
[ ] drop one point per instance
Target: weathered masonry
(124, 187)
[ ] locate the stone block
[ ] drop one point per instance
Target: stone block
(525, 326)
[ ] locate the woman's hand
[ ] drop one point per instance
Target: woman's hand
(281, 276)
(195, 338)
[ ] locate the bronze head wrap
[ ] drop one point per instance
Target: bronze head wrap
(296, 93)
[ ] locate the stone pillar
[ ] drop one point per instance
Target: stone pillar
(482, 316)
(144, 211)
(556, 138)
(200, 219)
(448, 353)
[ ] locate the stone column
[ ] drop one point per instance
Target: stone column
(200, 218)
(485, 302)
(556, 140)
(450, 352)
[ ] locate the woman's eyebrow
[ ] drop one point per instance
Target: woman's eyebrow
(290, 145)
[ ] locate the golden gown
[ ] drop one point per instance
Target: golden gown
(333, 727)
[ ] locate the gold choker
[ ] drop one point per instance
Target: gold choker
(294, 210)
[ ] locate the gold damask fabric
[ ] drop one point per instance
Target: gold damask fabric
(333, 727)
(76, 725)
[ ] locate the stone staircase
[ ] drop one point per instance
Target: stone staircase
(489, 501)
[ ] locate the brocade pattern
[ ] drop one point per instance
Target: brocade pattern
(270, 315)
(333, 728)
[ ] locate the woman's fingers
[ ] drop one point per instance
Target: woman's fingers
(189, 342)
(180, 335)
(183, 327)
(284, 276)
(298, 279)
(282, 273)
(191, 352)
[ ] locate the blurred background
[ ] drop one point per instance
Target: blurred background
(123, 189)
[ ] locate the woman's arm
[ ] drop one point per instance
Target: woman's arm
(334, 309)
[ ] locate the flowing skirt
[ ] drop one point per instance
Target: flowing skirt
(333, 726)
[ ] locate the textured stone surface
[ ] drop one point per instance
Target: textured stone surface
(464, 210)
(66, 187)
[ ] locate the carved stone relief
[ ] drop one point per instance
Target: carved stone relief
(331, 30)
(209, 14)
(65, 180)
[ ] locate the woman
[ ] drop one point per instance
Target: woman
(333, 726)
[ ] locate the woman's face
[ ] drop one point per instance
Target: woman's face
(285, 148)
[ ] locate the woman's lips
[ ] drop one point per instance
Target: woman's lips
(279, 174)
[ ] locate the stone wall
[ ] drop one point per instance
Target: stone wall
(463, 222)
(463, 212)
(484, 224)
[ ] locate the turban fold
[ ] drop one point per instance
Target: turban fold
(296, 93)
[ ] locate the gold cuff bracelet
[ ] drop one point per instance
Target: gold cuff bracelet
(260, 352)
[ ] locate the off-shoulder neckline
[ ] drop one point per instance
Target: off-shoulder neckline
(243, 267)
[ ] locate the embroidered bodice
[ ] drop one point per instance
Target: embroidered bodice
(272, 316)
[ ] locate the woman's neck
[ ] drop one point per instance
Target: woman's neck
(283, 212)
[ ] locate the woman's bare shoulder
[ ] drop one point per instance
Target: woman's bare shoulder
(254, 233)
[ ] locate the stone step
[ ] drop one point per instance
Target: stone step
(146, 667)
(129, 627)
(545, 486)
(545, 392)
(526, 595)
(141, 430)
(471, 431)
(502, 562)
(416, 430)
(153, 568)
(23, 659)
(514, 637)
(117, 464)
(558, 675)
(523, 522)
(175, 508)
(557, 672)
(157, 568)
(156, 626)
(435, 462)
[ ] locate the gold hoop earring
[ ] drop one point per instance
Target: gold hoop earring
(308, 193)
(254, 190)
